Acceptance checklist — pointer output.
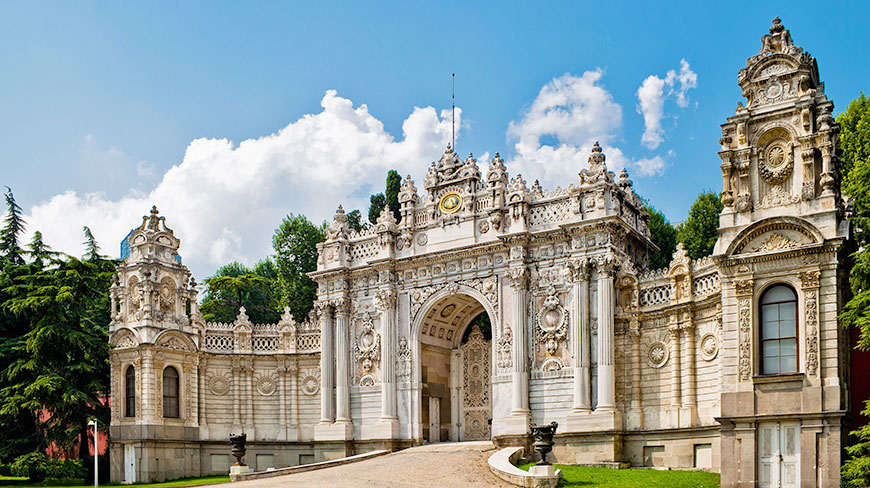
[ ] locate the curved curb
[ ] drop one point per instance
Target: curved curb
(307, 467)
(502, 465)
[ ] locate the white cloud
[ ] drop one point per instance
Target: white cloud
(553, 137)
(225, 200)
(651, 97)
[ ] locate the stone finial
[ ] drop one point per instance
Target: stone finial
(408, 192)
(518, 184)
(597, 169)
(623, 181)
(242, 317)
(338, 229)
(497, 173)
(596, 157)
(386, 221)
(777, 26)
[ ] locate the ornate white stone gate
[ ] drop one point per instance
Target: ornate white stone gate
(476, 402)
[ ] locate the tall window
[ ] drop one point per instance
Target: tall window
(130, 392)
(778, 330)
(170, 392)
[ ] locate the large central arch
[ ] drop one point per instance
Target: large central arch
(437, 384)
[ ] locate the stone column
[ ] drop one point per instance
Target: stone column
(342, 362)
(282, 399)
(636, 392)
(606, 373)
(386, 303)
(520, 372)
(581, 338)
(201, 414)
(689, 415)
(237, 395)
(327, 365)
(676, 381)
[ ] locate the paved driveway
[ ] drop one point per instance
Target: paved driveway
(448, 465)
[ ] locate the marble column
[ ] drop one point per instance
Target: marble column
(282, 389)
(201, 415)
(327, 365)
(688, 417)
(237, 394)
(386, 303)
(676, 381)
(636, 391)
(581, 338)
(520, 372)
(342, 362)
(606, 372)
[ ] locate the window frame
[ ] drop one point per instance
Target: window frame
(796, 330)
(130, 391)
(176, 396)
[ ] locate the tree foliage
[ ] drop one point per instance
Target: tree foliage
(855, 143)
(394, 186)
(377, 203)
(295, 243)
(663, 235)
(235, 285)
(354, 220)
(13, 227)
(701, 229)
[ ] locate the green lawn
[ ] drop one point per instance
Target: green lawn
(582, 476)
(23, 483)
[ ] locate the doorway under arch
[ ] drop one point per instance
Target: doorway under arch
(455, 395)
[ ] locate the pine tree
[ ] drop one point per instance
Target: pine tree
(12, 229)
(391, 194)
(663, 235)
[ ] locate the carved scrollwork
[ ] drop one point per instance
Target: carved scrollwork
(368, 346)
(552, 323)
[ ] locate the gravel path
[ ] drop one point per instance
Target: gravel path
(447, 465)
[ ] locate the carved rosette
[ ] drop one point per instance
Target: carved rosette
(310, 382)
(657, 354)
(709, 346)
(219, 383)
(266, 383)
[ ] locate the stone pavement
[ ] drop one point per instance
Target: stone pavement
(447, 465)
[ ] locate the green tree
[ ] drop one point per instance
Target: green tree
(12, 229)
(394, 186)
(701, 229)
(663, 235)
(61, 366)
(378, 202)
(295, 243)
(354, 220)
(855, 143)
(235, 285)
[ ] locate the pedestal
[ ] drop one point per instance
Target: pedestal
(339, 431)
(235, 469)
(542, 470)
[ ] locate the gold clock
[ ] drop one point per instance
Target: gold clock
(450, 203)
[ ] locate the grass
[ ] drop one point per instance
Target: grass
(16, 482)
(587, 477)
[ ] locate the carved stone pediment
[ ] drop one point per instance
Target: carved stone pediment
(774, 235)
(774, 241)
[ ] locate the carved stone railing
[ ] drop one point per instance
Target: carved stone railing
(278, 338)
(550, 212)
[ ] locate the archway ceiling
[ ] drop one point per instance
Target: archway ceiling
(445, 321)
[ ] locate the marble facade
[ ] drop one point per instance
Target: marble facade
(650, 368)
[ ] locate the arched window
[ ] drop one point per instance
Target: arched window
(130, 392)
(779, 330)
(170, 392)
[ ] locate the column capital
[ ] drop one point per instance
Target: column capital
(605, 264)
(578, 269)
(341, 305)
(809, 279)
(385, 299)
(518, 276)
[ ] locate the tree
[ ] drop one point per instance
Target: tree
(701, 229)
(394, 186)
(855, 143)
(235, 285)
(663, 235)
(354, 220)
(12, 229)
(62, 364)
(295, 243)
(378, 203)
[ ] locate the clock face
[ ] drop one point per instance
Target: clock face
(450, 203)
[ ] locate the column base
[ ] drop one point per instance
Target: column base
(339, 431)
(688, 416)
(597, 420)
(384, 429)
(516, 424)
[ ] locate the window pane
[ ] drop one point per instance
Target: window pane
(788, 364)
(786, 311)
(788, 347)
(778, 293)
(770, 313)
(770, 365)
(770, 330)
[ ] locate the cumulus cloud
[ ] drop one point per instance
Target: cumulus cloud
(225, 200)
(553, 137)
(651, 96)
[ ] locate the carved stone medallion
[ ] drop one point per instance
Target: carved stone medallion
(219, 384)
(657, 354)
(709, 347)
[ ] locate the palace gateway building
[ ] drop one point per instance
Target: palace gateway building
(493, 304)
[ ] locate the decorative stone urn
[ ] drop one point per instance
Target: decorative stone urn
(238, 443)
(543, 435)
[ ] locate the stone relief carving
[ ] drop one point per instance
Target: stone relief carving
(403, 360)
(368, 347)
(744, 319)
(219, 383)
(504, 359)
(266, 383)
(709, 345)
(777, 162)
(552, 323)
(775, 242)
(310, 382)
(487, 286)
(812, 322)
(657, 354)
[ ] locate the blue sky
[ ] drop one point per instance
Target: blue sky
(100, 103)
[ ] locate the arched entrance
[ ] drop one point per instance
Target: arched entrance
(455, 358)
